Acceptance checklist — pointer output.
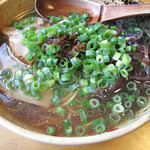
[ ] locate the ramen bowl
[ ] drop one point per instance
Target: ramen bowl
(9, 10)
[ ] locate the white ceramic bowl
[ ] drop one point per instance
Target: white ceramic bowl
(8, 10)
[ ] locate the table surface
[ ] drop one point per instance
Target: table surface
(136, 140)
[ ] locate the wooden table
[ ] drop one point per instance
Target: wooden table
(137, 140)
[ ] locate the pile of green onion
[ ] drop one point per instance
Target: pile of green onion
(105, 59)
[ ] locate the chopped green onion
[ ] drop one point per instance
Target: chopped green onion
(28, 78)
(68, 131)
(73, 87)
(44, 86)
(134, 47)
(83, 82)
(141, 101)
(25, 89)
(118, 108)
(82, 115)
(122, 41)
(128, 49)
(131, 98)
(90, 53)
(106, 58)
(116, 56)
(119, 64)
(36, 95)
(124, 73)
(50, 82)
(55, 100)
(61, 111)
(62, 92)
(67, 127)
(100, 128)
(94, 103)
(53, 19)
(17, 83)
(105, 46)
(56, 75)
(5, 73)
(35, 86)
(131, 86)
(88, 65)
(98, 125)
(31, 20)
(124, 95)
(80, 130)
(117, 98)
(51, 31)
(102, 108)
(9, 83)
(83, 37)
(110, 104)
(129, 114)
(73, 102)
(50, 130)
(137, 29)
(107, 35)
(126, 59)
(18, 72)
(114, 40)
(76, 62)
(85, 16)
(66, 77)
(90, 113)
(102, 83)
(148, 91)
(128, 104)
(114, 118)
(108, 123)
(85, 103)
(95, 123)
(112, 68)
(92, 45)
(52, 49)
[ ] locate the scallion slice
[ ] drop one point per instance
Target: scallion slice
(94, 103)
(82, 116)
(61, 111)
(80, 130)
(141, 101)
(5, 73)
(51, 131)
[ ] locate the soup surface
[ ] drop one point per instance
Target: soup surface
(70, 78)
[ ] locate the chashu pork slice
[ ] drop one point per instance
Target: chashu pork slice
(14, 35)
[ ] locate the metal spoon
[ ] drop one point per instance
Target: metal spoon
(98, 12)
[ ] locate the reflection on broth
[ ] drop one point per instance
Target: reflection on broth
(68, 78)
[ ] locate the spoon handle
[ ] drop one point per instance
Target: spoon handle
(110, 12)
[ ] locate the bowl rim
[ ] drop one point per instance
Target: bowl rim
(74, 140)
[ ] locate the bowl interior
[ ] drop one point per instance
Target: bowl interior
(9, 10)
